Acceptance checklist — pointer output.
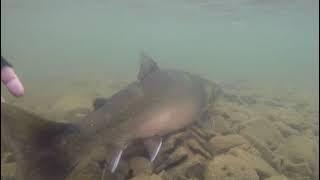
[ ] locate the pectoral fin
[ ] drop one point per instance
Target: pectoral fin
(115, 160)
(112, 161)
(153, 145)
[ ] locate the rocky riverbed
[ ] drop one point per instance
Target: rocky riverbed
(248, 136)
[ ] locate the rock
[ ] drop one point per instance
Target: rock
(198, 144)
(232, 113)
(147, 177)
(93, 167)
(316, 130)
(173, 159)
(298, 171)
(7, 158)
(90, 171)
(171, 143)
(229, 167)
(220, 125)
(195, 147)
(250, 100)
(203, 133)
(273, 103)
(278, 177)
(196, 171)
(316, 168)
(164, 175)
(76, 114)
(140, 165)
(308, 133)
(285, 129)
(265, 152)
(264, 131)
(300, 152)
(184, 169)
(220, 144)
(249, 149)
(69, 103)
(233, 98)
(263, 169)
(289, 117)
(298, 149)
(8, 171)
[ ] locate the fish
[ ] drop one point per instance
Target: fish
(159, 102)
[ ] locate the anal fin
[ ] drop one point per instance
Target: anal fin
(153, 145)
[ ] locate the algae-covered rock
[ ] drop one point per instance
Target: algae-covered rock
(297, 170)
(221, 144)
(60, 108)
(300, 152)
(298, 149)
(221, 125)
(264, 131)
(140, 165)
(232, 113)
(285, 129)
(178, 156)
(288, 116)
(196, 171)
(190, 168)
(278, 177)
(86, 171)
(7, 157)
(8, 171)
(195, 147)
(263, 150)
(263, 169)
(229, 167)
(94, 168)
(147, 177)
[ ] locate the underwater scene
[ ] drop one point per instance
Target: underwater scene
(159, 90)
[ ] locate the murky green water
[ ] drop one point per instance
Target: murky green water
(91, 48)
(262, 41)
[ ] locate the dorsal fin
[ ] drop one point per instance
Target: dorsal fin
(147, 66)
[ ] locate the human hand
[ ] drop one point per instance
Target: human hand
(10, 79)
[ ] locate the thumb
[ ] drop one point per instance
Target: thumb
(11, 81)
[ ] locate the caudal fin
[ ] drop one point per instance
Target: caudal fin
(36, 144)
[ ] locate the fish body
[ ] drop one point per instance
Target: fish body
(159, 102)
